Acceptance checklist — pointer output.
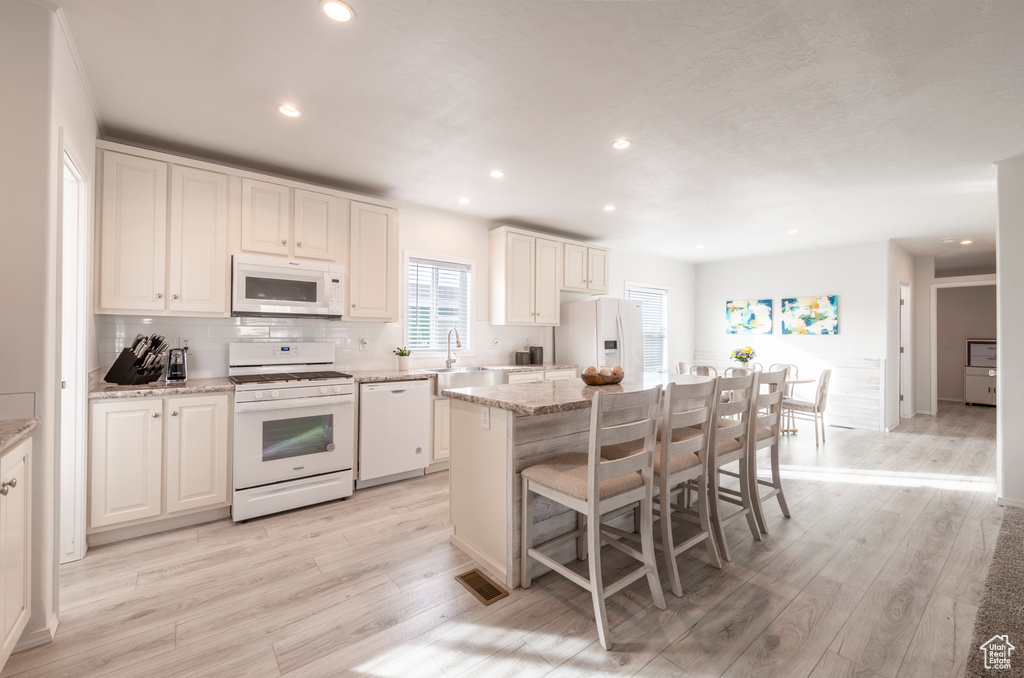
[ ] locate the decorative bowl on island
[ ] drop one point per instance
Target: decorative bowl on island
(593, 377)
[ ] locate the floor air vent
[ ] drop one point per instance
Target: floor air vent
(482, 586)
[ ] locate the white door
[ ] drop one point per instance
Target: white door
(904, 351)
(597, 270)
(197, 452)
(15, 544)
(520, 280)
(266, 211)
(547, 271)
(133, 232)
(373, 278)
(126, 444)
(316, 225)
(199, 241)
(574, 267)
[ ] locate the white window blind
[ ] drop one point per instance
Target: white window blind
(654, 310)
(439, 299)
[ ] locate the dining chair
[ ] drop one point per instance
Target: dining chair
(594, 486)
(765, 431)
(738, 371)
(792, 372)
(682, 367)
(756, 366)
(728, 445)
(808, 410)
(703, 371)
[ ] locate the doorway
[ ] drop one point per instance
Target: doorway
(948, 333)
(74, 246)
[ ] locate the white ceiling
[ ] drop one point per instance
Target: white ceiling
(848, 120)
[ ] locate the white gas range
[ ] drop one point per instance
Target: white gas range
(294, 425)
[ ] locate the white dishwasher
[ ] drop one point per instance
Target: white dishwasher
(394, 431)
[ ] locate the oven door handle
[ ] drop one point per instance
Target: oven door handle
(263, 405)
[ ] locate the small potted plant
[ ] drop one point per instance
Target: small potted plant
(744, 355)
(403, 354)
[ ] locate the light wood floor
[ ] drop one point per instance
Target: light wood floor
(878, 572)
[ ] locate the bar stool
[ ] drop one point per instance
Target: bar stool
(765, 425)
(593, 486)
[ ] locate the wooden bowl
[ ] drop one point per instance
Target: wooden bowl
(598, 380)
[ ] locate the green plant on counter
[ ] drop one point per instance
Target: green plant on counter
(402, 351)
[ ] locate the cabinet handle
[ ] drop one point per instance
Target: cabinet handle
(284, 242)
(159, 295)
(353, 305)
(156, 414)
(174, 414)
(298, 243)
(174, 296)
(6, 487)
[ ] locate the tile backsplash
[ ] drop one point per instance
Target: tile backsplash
(359, 346)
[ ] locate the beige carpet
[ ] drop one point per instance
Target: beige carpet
(1002, 605)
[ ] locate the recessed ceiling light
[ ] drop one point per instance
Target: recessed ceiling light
(338, 11)
(289, 110)
(792, 231)
(948, 241)
(609, 208)
(463, 201)
(966, 242)
(497, 174)
(621, 143)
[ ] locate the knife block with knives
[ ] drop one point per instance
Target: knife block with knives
(141, 363)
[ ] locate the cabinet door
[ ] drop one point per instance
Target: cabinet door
(977, 389)
(574, 267)
(125, 454)
(197, 452)
(266, 209)
(556, 375)
(316, 225)
(442, 438)
(373, 276)
(525, 377)
(15, 544)
(133, 233)
(199, 241)
(597, 270)
(548, 275)
(520, 282)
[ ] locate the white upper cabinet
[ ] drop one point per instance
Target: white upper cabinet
(199, 236)
(585, 268)
(373, 274)
(133, 233)
(266, 217)
(317, 220)
(526, 273)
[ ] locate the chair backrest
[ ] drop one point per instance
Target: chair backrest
(682, 367)
(734, 399)
(687, 406)
(756, 366)
(618, 418)
(766, 410)
(792, 371)
(822, 396)
(703, 371)
(738, 371)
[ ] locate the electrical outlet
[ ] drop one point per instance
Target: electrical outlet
(485, 418)
(186, 342)
(943, 342)
(364, 345)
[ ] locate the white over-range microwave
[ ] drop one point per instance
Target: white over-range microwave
(264, 286)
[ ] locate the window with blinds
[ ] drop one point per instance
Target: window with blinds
(654, 311)
(439, 299)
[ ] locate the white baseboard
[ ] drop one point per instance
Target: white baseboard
(39, 636)
(1004, 501)
(111, 535)
(496, 571)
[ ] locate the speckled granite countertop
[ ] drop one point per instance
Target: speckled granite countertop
(370, 376)
(13, 430)
(158, 388)
(531, 368)
(546, 397)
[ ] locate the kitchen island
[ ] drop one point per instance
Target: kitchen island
(496, 431)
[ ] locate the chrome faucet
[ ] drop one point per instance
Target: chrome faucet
(450, 360)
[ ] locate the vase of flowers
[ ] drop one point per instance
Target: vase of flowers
(743, 355)
(403, 354)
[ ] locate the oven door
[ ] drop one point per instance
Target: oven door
(276, 441)
(258, 289)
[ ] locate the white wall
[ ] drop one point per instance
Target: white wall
(901, 271)
(961, 313)
(858, 274)
(1010, 328)
(38, 72)
(924, 276)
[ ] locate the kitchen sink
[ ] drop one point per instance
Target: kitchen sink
(463, 377)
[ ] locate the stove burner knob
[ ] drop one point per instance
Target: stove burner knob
(337, 389)
(274, 394)
(323, 390)
(258, 395)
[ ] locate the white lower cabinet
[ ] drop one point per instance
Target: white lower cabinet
(442, 434)
(142, 469)
(526, 377)
(555, 375)
(15, 541)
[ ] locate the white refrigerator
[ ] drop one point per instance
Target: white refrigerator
(603, 331)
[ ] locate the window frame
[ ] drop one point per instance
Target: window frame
(664, 290)
(466, 350)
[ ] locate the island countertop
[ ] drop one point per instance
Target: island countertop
(548, 397)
